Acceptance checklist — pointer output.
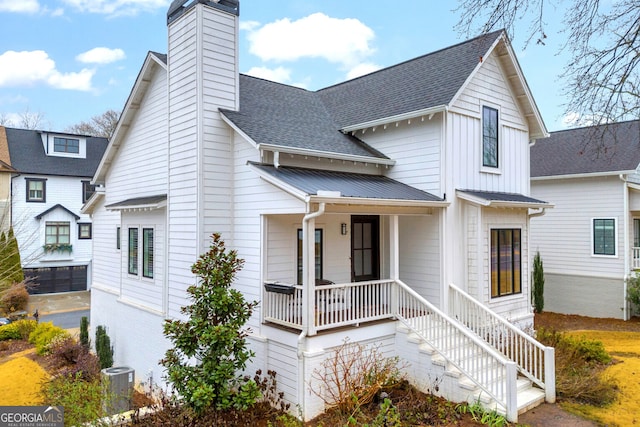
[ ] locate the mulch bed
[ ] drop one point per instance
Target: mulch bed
(573, 322)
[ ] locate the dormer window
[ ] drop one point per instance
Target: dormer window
(489, 137)
(66, 145)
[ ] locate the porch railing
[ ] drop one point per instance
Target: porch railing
(483, 365)
(534, 360)
(635, 258)
(336, 305)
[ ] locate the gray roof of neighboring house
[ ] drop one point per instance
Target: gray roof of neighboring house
(310, 181)
(282, 115)
(28, 156)
(597, 149)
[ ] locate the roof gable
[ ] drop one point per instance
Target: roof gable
(53, 208)
(612, 148)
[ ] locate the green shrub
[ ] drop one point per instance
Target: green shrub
(104, 349)
(633, 291)
(44, 334)
(81, 400)
(9, 332)
(25, 326)
(210, 346)
(537, 290)
(84, 332)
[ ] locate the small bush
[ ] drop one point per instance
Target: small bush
(73, 358)
(25, 326)
(537, 289)
(580, 363)
(84, 332)
(633, 291)
(15, 298)
(44, 334)
(9, 332)
(103, 348)
(82, 400)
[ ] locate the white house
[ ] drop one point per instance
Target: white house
(590, 241)
(356, 208)
(50, 183)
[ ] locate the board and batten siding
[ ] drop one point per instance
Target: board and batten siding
(490, 87)
(564, 234)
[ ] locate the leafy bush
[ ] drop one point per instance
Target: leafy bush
(15, 298)
(74, 358)
(210, 346)
(9, 332)
(81, 400)
(580, 363)
(633, 291)
(44, 334)
(537, 290)
(25, 326)
(84, 332)
(104, 348)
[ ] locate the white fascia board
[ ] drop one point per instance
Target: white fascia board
(398, 118)
(140, 207)
(581, 175)
(376, 202)
(326, 154)
(89, 206)
(238, 130)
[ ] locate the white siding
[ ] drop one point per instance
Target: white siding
(563, 234)
(30, 232)
(107, 260)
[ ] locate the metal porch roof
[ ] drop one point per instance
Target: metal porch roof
(500, 199)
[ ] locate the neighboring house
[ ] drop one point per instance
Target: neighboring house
(590, 241)
(6, 171)
(356, 208)
(50, 184)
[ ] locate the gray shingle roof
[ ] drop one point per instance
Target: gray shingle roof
(310, 181)
(281, 115)
(597, 149)
(28, 155)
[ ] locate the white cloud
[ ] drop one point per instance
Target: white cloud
(29, 68)
(342, 41)
(280, 74)
(101, 55)
(20, 6)
(362, 69)
(249, 25)
(117, 7)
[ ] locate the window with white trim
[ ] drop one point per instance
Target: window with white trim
(66, 145)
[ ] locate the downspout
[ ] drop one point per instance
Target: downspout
(308, 303)
(625, 239)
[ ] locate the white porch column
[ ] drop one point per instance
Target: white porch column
(394, 248)
(309, 270)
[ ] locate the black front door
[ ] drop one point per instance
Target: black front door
(365, 248)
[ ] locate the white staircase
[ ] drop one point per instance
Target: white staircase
(482, 359)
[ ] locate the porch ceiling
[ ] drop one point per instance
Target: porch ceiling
(345, 187)
(503, 200)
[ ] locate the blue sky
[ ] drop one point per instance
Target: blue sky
(69, 60)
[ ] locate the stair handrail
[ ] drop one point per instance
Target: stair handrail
(508, 393)
(545, 364)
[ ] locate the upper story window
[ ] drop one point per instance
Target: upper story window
(604, 236)
(36, 190)
(489, 137)
(66, 145)
(87, 191)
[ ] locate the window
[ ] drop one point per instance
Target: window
(318, 251)
(489, 137)
(87, 190)
(118, 238)
(36, 190)
(147, 252)
(506, 278)
(133, 251)
(84, 230)
(604, 236)
(57, 233)
(66, 145)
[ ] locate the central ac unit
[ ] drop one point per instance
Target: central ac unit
(119, 389)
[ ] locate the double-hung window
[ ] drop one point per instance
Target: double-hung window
(506, 262)
(140, 256)
(36, 190)
(489, 137)
(84, 230)
(604, 236)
